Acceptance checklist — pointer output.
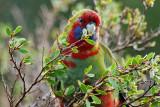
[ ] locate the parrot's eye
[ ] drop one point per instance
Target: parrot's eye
(80, 20)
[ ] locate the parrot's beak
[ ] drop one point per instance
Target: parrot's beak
(89, 30)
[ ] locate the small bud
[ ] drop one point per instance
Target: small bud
(149, 3)
(75, 105)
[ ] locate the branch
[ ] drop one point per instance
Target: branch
(143, 41)
(18, 68)
(7, 91)
(143, 95)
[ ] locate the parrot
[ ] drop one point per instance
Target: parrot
(85, 24)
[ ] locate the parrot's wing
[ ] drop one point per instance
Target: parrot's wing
(108, 55)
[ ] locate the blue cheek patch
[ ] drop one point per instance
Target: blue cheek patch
(78, 32)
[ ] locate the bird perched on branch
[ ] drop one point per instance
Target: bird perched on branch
(82, 48)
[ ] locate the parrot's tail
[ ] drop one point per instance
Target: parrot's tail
(109, 101)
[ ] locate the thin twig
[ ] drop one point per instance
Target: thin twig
(18, 68)
(7, 91)
(13, 87)
(149, 88)
(140, 42)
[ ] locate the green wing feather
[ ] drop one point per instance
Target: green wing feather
(108, 55)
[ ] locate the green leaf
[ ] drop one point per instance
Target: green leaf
(21, 40)
(154, 90)
(18, 42)
(59, 93)
(59, 73)
(18, 29)
(23, 51)
(47, 60)
(12, 43)
(139, 59)
(82, 86)
(69, 90)
(134, 61)
(8, 31)
(113, 83)
(101, 92)
(155, 104)
(129, 61)
(74, 49)
(51, 81)
(87, 103)
(55, 54)
(88, 69)
(150, 56)
(96, 100)
(91, 75)
(59, 67)
(139, 92)
(27, 60)
(112, 69)
(50, 74)
(91, 42)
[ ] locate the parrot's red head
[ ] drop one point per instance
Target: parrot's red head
(87, 23)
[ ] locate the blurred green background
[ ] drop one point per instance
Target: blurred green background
(43, 19)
